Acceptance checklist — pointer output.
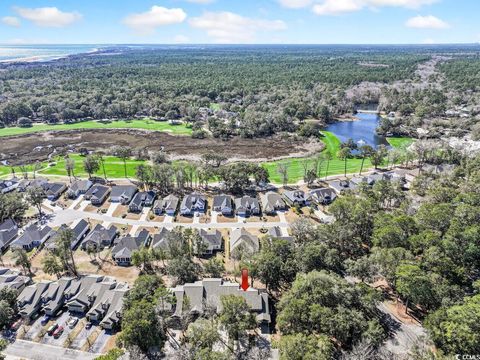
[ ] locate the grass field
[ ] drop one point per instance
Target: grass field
(400, 142)
(145, 124)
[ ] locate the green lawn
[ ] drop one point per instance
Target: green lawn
(146, 124)
(113, 167)
(400, 142)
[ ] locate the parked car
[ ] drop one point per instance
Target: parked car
(16, 325)
(88, 325)
(52, 329)
(58, 332)
(45, 320)
(72, 322)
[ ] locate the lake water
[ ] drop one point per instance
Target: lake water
(362, 130)
(41, 52)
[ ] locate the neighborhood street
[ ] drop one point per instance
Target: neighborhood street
(36, 351)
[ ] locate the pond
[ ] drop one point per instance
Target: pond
(362, 130)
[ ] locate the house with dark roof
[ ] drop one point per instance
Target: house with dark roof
(161, 239)
(8, 232)
(79, 229)
(142, 199)
(247, 206)
(223, 204)
(8, 185)
(208, 293)
(123, 250)
(168, 205)
(243, 241)
(272, 202)
(99, 238)
(79, 187)
(212, 240)
(123, 194)
(322, 196)
(29, 301)
(54, 190)
(97, 194)
(33, 236)
(53, 298)
(193, 203)
(295, 197)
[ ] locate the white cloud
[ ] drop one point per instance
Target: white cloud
(227, 27)
(11, 21)
(146, 23)
(338, 7)
(426, 22)
(181, 39)
(48, 16)
(201, 1)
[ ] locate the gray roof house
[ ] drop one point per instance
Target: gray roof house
(30, 299)
(24, 184)
(341, 186)
(167, 205)
(193, 203)
(8, 232)
(212, 240)
(208, 292)
(97, 194)
(242, 240)
(322, 196)
(123, 194)
(123, 250)
(79, 187)
(277, 233)
(100, 237)
(113, 305)
(86, 291)
(13, 280)
(272, 202)
(223, 204)
(161, 239)
(33, 236)
(54, 190)
(247, 205)
(8, 185)
(294, 197)
(142, 199)
(54, 298)
(80, 228)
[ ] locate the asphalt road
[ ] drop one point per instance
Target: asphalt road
(22, 349)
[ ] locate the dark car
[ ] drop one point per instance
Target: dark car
(52, 329)
(45, 320)
(88, 325)
(58, 332)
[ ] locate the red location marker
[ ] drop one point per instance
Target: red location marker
(245, 285)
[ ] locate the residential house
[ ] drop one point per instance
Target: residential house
(8, 185)
(100, 238)
(168, 205)
(212, 240)
(141, 200)
(79, 187)
(25, 184)
(79, 229)
(208, 293)
(87, 291)
(341, 186)
(123, 250)
(276, 232)
(295, 197)
(113, 305)
(29, 301)
(97, 194)
(8, 232)
(54, 190)
(243, 241)
(53, 298)
(33, 236)
(322, 196)
(223, 204)
(193, 203)
(123, 194)
(272, 202)
(12, 279)
(247, 206)
(160, 240)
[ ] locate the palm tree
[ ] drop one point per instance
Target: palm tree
(343, 154)
(365, 151)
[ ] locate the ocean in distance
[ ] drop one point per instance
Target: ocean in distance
(32, 53)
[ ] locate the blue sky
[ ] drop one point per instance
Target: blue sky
(239, 21)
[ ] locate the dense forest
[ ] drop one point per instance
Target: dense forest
(261, 90)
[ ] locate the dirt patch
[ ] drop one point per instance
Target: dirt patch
(184, 219)
(120, 210)
(38, 146)
(226, 219)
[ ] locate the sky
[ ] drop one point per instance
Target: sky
(239, 21)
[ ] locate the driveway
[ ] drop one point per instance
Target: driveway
(101, 341)
(145, 213)
(22, 349)
(112, 208)
(61, 320)
(76, 202)
(213, 217)
(82, 336)
(35, 328)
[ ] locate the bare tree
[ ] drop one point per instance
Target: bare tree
(282, 170)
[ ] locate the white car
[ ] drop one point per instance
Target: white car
(72, 322)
